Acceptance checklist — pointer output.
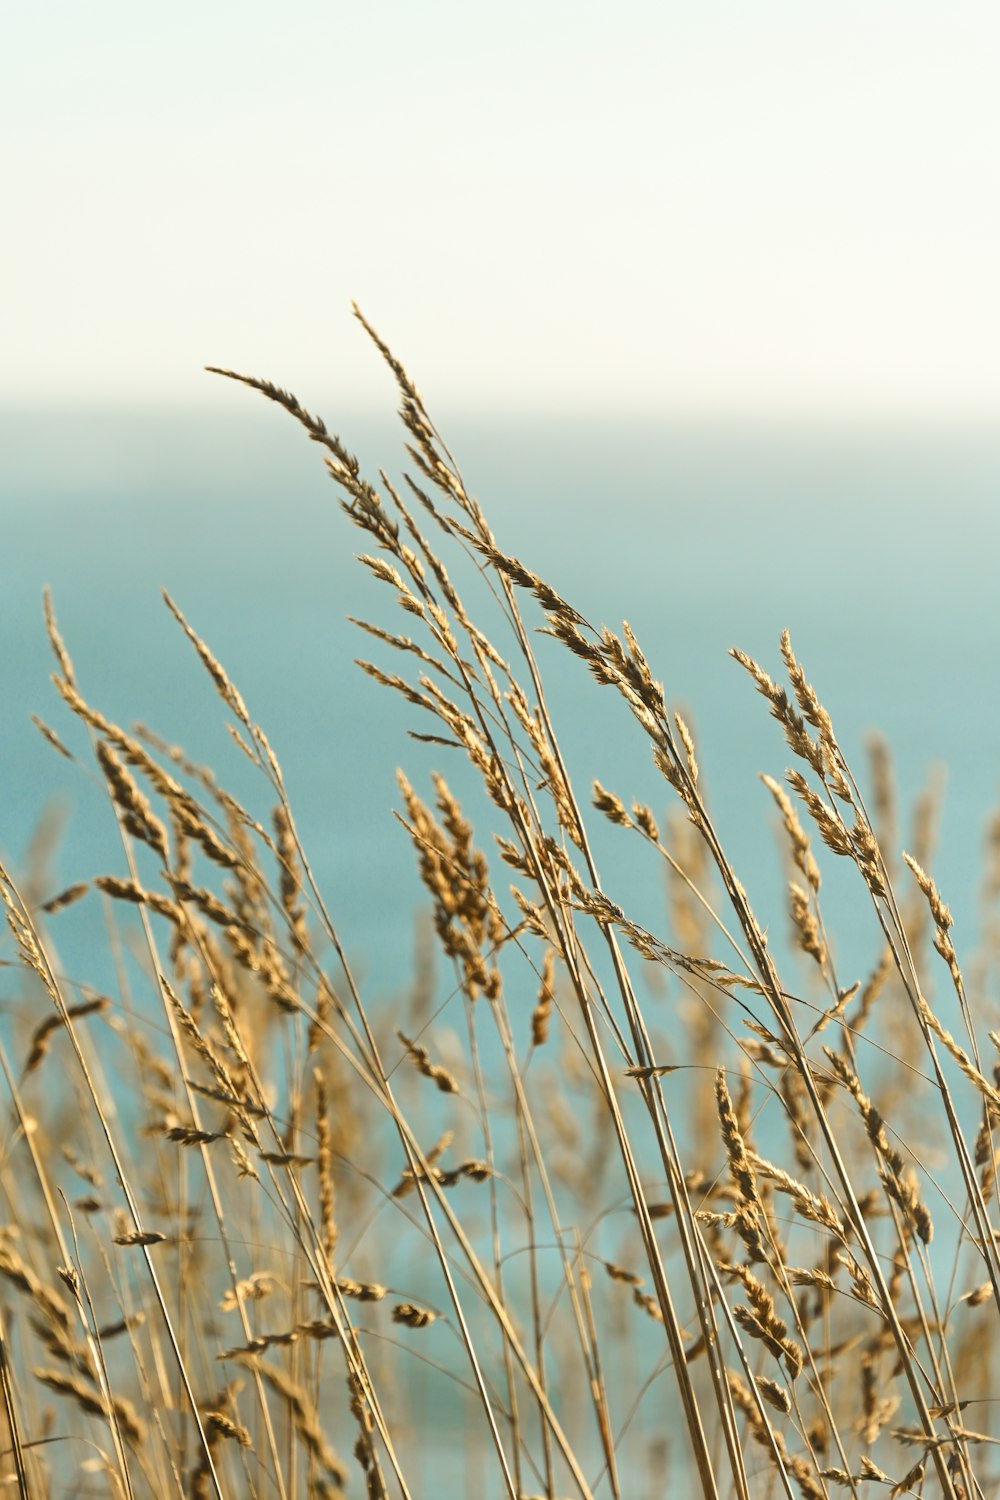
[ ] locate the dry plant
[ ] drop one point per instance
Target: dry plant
(264, 1237)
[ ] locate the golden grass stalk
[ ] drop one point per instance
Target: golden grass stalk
(767, 1214)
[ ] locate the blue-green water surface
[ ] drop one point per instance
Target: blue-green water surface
(877, 547)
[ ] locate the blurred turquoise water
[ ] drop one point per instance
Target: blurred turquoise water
(878, 548)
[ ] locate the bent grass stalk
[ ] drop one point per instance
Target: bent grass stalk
(793, 1300)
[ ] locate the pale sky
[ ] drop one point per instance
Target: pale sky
(777, 206)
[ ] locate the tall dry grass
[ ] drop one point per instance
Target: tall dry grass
(556, 1234)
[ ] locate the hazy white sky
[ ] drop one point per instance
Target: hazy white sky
(761, 205)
